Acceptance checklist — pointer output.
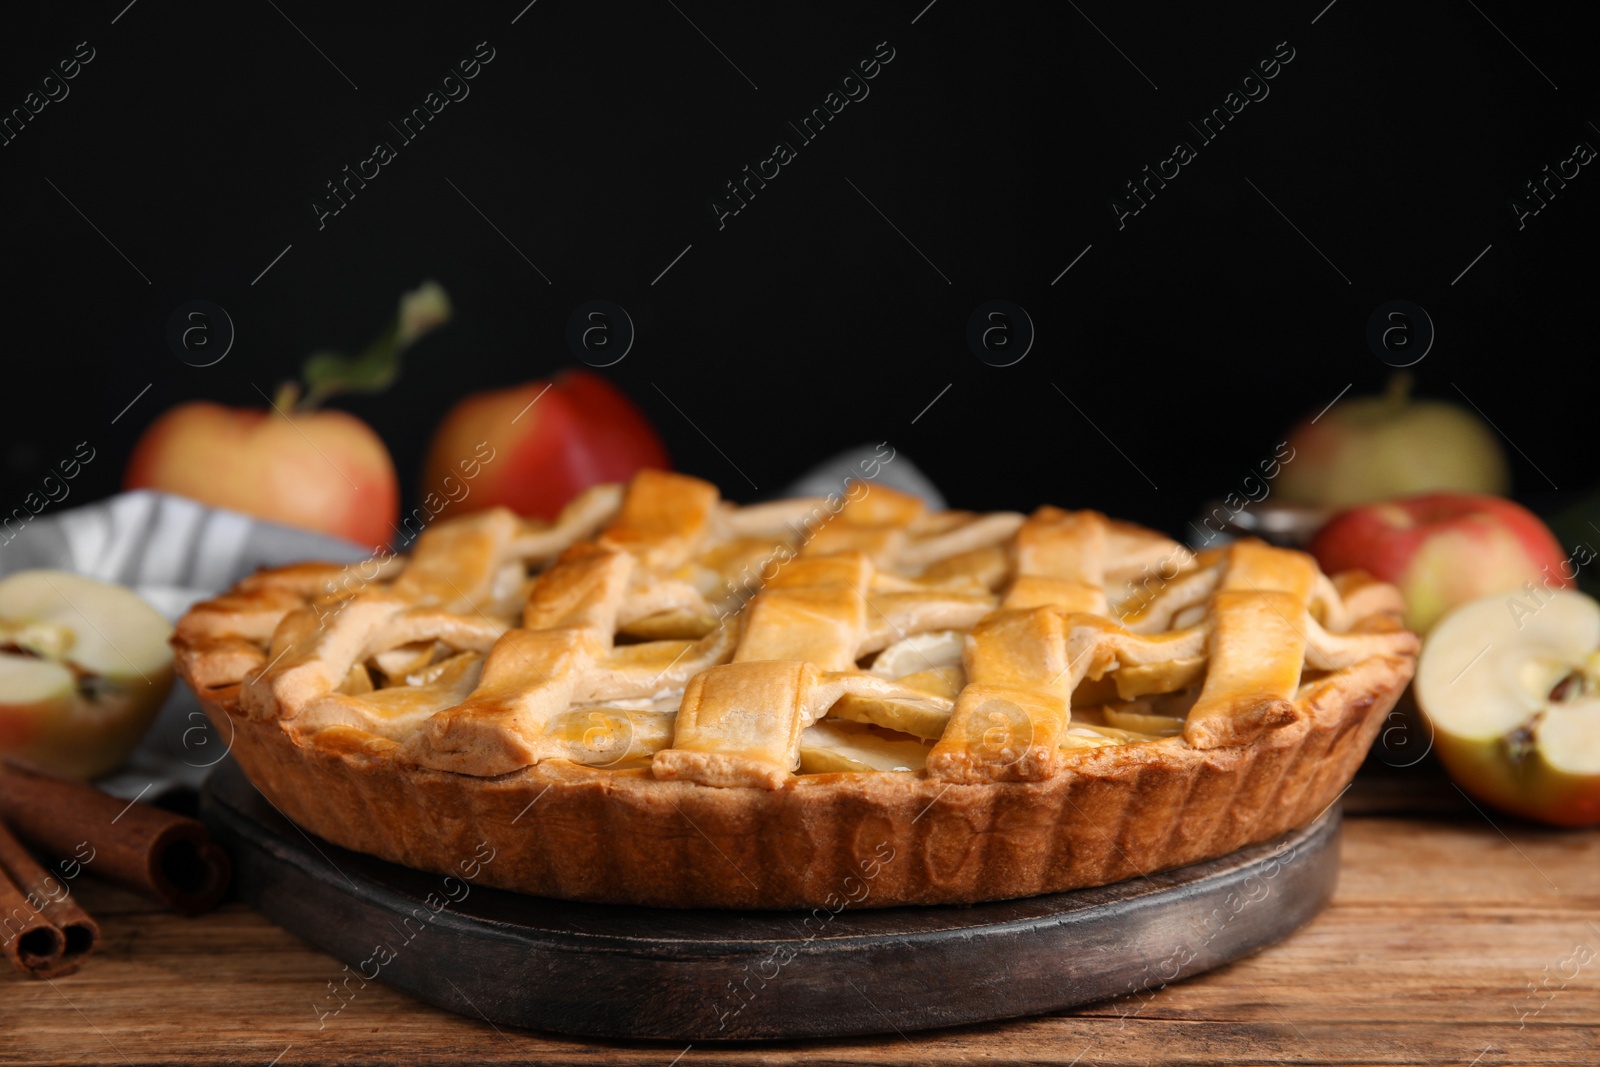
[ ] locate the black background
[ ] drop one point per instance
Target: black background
(198, 137)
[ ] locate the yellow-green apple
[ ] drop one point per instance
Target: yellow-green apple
(1375, 447)
(318, 469)
(1511, 687)
(1443, 549)
(84, 667)
(321, 470)
(549, 441)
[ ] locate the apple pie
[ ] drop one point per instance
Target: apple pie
(663, 698)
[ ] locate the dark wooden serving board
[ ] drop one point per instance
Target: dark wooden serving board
(625, 972)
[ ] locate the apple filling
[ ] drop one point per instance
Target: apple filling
(834, 745)
(403, 686)
(415, 664)
(871, 733)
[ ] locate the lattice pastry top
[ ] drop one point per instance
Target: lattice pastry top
(656, 628)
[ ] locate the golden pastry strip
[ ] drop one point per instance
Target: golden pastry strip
(1258, 646)
(1009, 720)
(813, 610)
(648, 597)
(1155, 602)
(852, 570)
(664, 518)
(527, 680)
(1331, 652)
(877, 505)
(456, 563)
(872, 521)
(461, 632)
(822, 625)
(314, 581)
(1020, 649)
(1340, 602)
(1000, 733)
(584, 589)
(1132, 553)
(399, 711)
(579, 520)
(986, 569)
(881, 544)
(1064, 594)
(740, 723)
(1063, 544)
(250, 615)
(977, 533)
(656, 668)
(1259, 567)
(893, 616)
(315, 662)
(531, 673)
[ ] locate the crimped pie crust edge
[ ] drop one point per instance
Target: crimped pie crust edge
(878, 839)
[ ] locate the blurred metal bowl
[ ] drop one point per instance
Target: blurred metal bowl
(1287, 525)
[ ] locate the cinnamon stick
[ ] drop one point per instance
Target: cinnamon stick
(50, 897)
(31, 942)
(160, 854)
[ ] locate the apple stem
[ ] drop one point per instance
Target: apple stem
(328, 373)
(1399, 390)
(287, 398)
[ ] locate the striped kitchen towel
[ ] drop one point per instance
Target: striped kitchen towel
(169, 549)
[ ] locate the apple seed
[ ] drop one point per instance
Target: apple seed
(1520, 743)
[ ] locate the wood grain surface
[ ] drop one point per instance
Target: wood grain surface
(1445, 944)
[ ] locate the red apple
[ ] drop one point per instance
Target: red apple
(549, 441)
(321, 470)
(1444, 549)
(1371, 448)
(84, 668)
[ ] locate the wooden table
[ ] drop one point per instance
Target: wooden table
(1446, 944)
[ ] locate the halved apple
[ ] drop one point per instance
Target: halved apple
(84, 667)
(1511, 689)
